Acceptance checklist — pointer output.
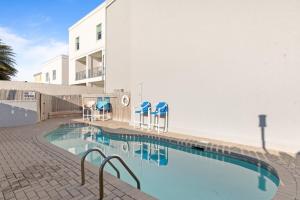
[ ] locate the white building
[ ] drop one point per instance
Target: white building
(54, 71)
(219, 64)
(87, 49)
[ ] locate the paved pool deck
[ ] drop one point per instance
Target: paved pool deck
(32, 168)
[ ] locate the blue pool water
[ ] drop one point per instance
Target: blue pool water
(168, 171)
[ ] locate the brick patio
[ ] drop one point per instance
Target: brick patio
(32, 169)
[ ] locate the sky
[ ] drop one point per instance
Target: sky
(37, 30)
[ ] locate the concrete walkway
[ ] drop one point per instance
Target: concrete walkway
(31, 168)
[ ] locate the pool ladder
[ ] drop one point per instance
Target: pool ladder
(101, 169)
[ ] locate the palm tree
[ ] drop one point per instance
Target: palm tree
(7, 62)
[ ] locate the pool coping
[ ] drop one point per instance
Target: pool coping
(287, 189)
(120, 184)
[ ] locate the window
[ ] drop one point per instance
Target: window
(77, 43)
(99, 31)
(47, 77)
(54, 74)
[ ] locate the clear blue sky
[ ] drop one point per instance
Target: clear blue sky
(38, 29)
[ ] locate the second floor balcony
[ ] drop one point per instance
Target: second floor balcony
(80, 75)
(92, 73)
(95, 72)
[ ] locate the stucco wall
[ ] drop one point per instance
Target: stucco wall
(219, 64)
(65, 70)
(118, 40)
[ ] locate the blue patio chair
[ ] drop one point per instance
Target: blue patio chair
(143, 111)
(161, 112)
(103, 106)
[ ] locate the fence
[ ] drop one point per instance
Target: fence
(62, 105)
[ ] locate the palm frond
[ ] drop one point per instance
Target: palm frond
(7, 62)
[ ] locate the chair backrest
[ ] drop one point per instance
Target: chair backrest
(99, 99)
(145, 106)
(107, 104)
(106, 99)
(103, 103)
(99, 105)
(162, 107)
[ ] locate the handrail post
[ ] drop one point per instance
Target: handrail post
(83, 159)
(101, 169)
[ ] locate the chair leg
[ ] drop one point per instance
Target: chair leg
(143, 121)
(140, 122)
(166, 123)
(149, 122)
(158, 128)
(83, 114)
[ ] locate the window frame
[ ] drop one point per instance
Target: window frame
(54, 74)
(77, 43)
(47, 77)
(99, 30)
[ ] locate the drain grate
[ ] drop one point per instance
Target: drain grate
(198, 148)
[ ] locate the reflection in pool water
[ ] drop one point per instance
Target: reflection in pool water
(168, 171)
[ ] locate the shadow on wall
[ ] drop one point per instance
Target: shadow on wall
(16, 116)
(65, 103)
(262, 124)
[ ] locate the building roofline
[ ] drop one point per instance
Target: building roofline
(64, 56)
(98, 8)
(37, 73)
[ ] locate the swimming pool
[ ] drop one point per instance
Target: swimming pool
(169, 171)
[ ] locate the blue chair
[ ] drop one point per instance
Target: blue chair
(161, 112)
(103, 106)
(143, 111)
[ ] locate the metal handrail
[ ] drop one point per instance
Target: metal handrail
(103, 155)
(101, 169)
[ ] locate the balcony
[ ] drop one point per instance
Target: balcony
(80, 75)
(95, 72)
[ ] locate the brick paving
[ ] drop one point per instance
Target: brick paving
(31, 168)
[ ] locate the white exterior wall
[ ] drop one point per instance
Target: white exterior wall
(60, 64)
(118, 40)
(219, 64)
(85, 29)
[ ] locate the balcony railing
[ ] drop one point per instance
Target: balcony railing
(80, 75)
(95, 72)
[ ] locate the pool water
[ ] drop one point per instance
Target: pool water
(168, 171)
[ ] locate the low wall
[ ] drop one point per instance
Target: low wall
(18, 112)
